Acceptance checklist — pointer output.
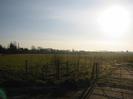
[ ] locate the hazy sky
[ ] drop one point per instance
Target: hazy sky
(65, 24)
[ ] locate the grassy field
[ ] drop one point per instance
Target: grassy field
(77, 64)
(71, 70)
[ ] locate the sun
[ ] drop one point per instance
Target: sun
(114, 21)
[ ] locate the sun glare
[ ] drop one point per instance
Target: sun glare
(114, 21)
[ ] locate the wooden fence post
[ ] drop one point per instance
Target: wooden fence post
(26, 66)
(57, 67)
(93, 72)
(67, 68)
(43, 72)
(46, 71)
(97, 70)
(78, 66)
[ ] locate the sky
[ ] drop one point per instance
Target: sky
(68, 24)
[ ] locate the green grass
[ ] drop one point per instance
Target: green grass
(79, 65)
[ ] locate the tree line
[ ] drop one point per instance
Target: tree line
(14, 48)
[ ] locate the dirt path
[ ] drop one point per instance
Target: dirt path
(117, 85)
